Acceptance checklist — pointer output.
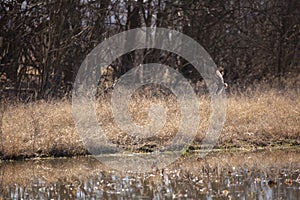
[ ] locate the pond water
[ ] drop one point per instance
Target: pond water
(226, 175)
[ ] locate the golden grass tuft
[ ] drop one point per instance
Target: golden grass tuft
(263, 119)
(39, 129)
(267, 118)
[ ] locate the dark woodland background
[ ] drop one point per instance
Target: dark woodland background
(43, 43)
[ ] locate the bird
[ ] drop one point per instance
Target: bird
(221, 85)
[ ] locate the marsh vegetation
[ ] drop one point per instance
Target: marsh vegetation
(256, 120)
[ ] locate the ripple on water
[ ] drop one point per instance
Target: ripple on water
(239, 175)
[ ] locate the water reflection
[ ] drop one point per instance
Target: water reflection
(260, 175)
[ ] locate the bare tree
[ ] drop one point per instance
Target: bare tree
(43, 43)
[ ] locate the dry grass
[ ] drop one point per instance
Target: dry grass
(47, 128)
(39, 129)
(263, 119)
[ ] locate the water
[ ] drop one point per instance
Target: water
(239, 175)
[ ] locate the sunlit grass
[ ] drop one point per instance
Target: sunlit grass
(258, 119)
(265, 118)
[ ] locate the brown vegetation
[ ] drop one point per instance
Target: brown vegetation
(43, 43)
(257, 119)
(255, 44)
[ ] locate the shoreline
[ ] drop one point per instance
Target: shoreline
(190, 152)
